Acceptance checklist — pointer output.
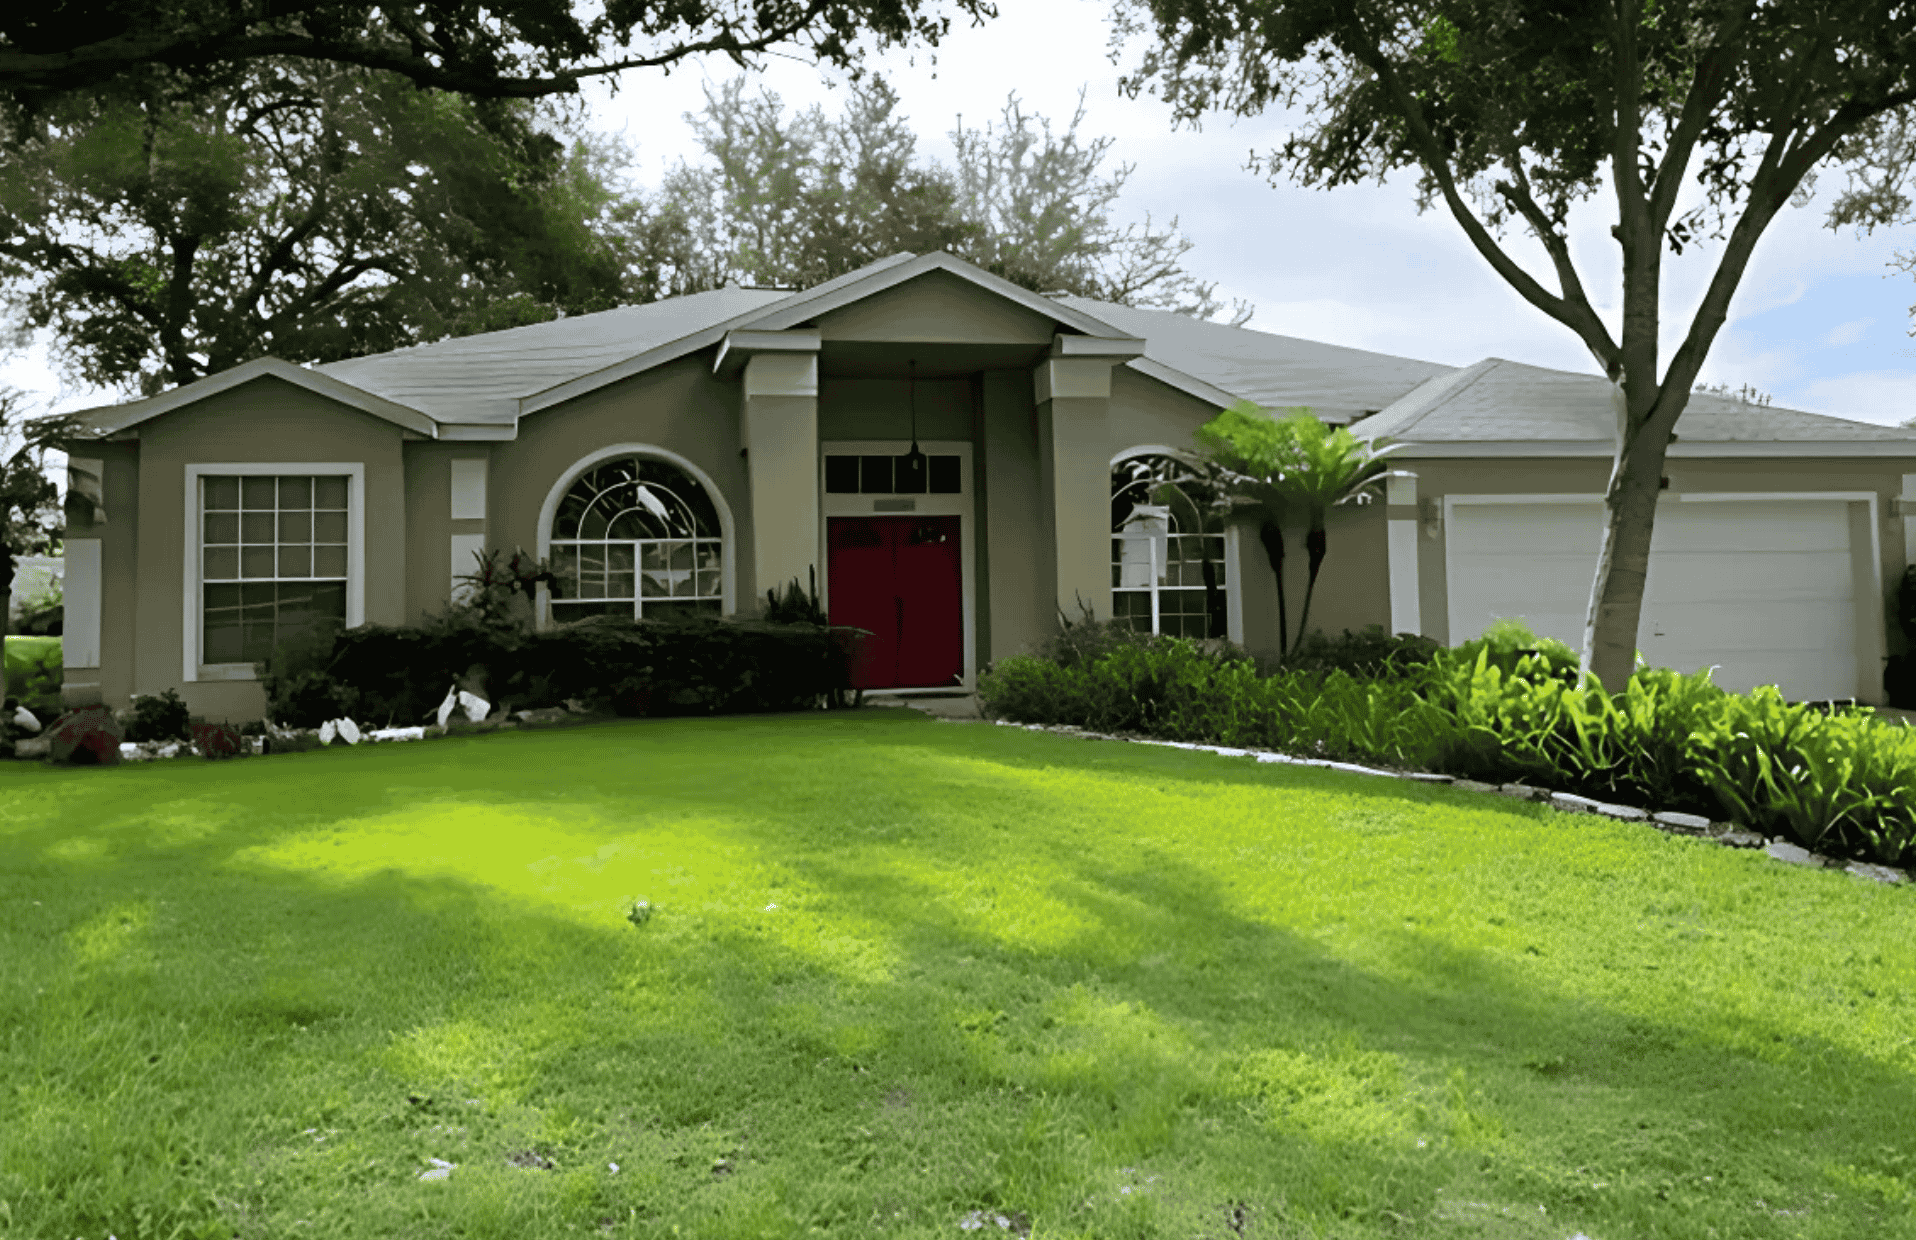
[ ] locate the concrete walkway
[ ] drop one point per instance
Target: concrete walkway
(961, 707)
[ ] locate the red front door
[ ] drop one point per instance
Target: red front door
(900, 579)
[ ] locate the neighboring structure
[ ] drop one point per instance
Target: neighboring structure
(688, 455)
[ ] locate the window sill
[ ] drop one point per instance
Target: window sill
(227, 671)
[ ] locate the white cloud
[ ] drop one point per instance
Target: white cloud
(1886, 397)
(1847, 333)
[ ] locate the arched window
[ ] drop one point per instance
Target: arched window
(1167, 559)
(638, 538)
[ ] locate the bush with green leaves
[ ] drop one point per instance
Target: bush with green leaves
(1505, 708)
(158, 717)
(1372, 653)
(397, 676)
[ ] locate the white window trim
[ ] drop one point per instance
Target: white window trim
(1233, 597)
(192, 670)
(729, 548)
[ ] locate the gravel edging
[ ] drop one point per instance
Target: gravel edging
(1670, 822)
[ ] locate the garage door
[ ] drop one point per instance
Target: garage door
(1765, 589)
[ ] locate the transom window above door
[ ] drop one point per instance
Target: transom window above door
(871, 474)
(636, 538)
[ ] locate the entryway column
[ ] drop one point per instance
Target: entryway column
(778, 430)
(1072, 388)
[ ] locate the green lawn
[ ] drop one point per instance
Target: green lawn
(900, 971)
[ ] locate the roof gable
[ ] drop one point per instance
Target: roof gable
(107, 420)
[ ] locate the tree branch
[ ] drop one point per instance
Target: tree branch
(1578, 317)
(87, 65)
(1699, 105)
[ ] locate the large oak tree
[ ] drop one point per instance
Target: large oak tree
(503, 49)
(297, 208)
(1513, 110)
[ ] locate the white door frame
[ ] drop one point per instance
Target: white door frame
(961, 505)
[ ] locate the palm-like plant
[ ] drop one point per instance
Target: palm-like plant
(1332, 467)
(1250, 459)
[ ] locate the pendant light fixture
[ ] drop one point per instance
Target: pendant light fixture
(911, 466)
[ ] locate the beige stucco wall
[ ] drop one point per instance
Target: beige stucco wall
(429, 523)
(881, 408)
(681, 407)
(937, 307)
(265, 421)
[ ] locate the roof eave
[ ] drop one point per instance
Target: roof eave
(1603, 449)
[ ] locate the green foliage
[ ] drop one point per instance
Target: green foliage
(30, 519)
(507, 49)
(1506, 707)
(794, 200)
(382, 675)
(33, 674)
(795, 604)
(304, 210)
(1836, 782)
(1371, 655)
(158, 717)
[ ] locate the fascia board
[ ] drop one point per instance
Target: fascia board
(119, 417)
(1190, 385)
(670, 351)
(738, 345)
(823, 300)
(479, 432)
(1096, 346)
(1601, 449)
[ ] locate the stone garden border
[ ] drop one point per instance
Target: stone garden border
(1670, 822)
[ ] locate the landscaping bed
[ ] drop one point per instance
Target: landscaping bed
(1504, 710)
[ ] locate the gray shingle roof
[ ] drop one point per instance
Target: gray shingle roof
(482, 378)
(1275, 371)
(1498, 401)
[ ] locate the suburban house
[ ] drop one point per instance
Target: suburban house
(956, 462)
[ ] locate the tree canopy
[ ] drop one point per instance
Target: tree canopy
(792, 199)
(1512, 113)
(295, 208)
(504, 49)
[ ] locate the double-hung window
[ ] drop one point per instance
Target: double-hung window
(275, 560)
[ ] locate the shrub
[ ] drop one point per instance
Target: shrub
(389, 675)
(1372, 654)
(1508, 707)
(158, 717)
(34, 674)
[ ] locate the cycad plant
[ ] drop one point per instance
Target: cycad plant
(1331, 467)
(1250, 459)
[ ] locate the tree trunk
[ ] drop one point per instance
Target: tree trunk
(1272, 536)
(6, 602)
(1316, 543)
(1216, 624)
(1616, 595)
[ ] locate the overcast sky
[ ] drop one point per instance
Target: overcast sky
(1821, 321)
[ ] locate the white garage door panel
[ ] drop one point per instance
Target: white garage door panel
(1764, 590)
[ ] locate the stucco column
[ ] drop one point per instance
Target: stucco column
(779, 429)
(1073, 395)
